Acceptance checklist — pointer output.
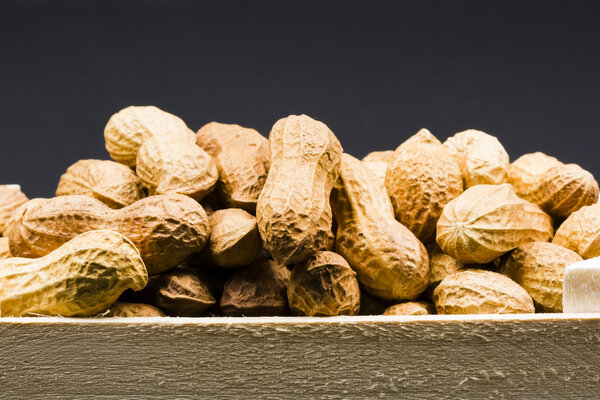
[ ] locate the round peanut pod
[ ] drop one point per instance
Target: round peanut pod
(182, 293)
(440, 264)
(11, 198)
(80, 278)
(131, 310)
(422, 177)
(242, 159)
(487, 221)
(4, 248)
(539, 268)
(390, 262)
(527, 171)
(581, 232)
(477, 291)
(377, 162)
(481, 158)
(324, 285)
(128, 129)
(564, 189)
(293, 211)
(410, 308)
(234, 240)
(259, 290)
(165, 165)
(112, 183)
(166, 229)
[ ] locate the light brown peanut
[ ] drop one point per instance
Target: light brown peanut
(129, 310)
(11, 198)
(527, 171)
(581, 232)
(410, 308)
(4, 248)
(183, 293)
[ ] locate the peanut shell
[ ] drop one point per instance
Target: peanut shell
(390, 262)
(422, 177)
(440, 264)
(487, 221)
(581, 232)
(11, 198)
(324, 285)
(527, 171)
(377, 162)
(129, 310)
(242, 159)
(477, 291)
(182, 293)
(410, 308)
(112, 183)
(4, 248)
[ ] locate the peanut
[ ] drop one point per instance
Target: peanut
(581, 232)
(81, 278)
(383, 156)
(242, 158)
(527, 170)
(4, 248)
(440, 264)
(391, 263)
(128, 129)
(481, 158)
(166, 229)
(410, 308)
(377, 162)
(182, 293)
(128, 310)
(487, 221)
(477, 291)
(110, 182)
(324, 285)
(293, 211)
(539, 268)
(11, 198)
(166, 166)
(422, 177)
(259, 290)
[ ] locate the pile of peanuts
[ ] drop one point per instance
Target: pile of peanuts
(225, 222)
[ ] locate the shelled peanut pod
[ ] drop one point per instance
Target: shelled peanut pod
(11, 198)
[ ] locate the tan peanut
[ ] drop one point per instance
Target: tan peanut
(377, 162)
(477, 291)
(293, 211)
(527, 171)
(410, 308)
(581, 232)
(440, 264)
(487, 221)
(129, 310)
(11, 198)
(422, 177)
(112, 183)
(324, 285)
(81, 278)
(128, 129)
(242, 159)
(4, 248)
(165, 165)
(391, 263)
(259, 290)
(481, 158)
(539, 268)
(166, 229)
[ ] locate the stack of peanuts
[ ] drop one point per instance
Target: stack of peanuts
(226, 222)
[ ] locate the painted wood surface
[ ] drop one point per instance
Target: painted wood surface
(421, 357)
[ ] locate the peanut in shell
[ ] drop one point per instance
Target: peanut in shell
(581, 232)
(11, 198)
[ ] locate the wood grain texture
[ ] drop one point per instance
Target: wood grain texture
(476, 357)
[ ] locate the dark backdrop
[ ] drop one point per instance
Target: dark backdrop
(374, 71)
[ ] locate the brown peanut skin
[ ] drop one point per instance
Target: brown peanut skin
(166, 229)
(581, 232)
(112, 183)
(324, 285)
(128, 129)
(242, 159)
(11, 198)
(477, 291)
(391, 263)
(421, 178)
(410, 308)
(133, 310)
(539, 268)
(293, 211)
(166, 165)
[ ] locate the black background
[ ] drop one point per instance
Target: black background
(373, 71)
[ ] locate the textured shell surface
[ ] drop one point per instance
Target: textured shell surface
(539, 268)
(4, 248)
(422, 177)
(183, 293)
(527, 170)
(81, 278)
(112, 183)
(127, 130)
(580, 232)
(242, 159)
(293, 210)
(259, 290)
(166, 166)
(377, 162)
(481, 157)
(133, 310)
(11, 198)
(165, 228)
(391, 263)
(440, 264)
(410, 308)
(477, 291)
(324, 285)
(487, 221)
